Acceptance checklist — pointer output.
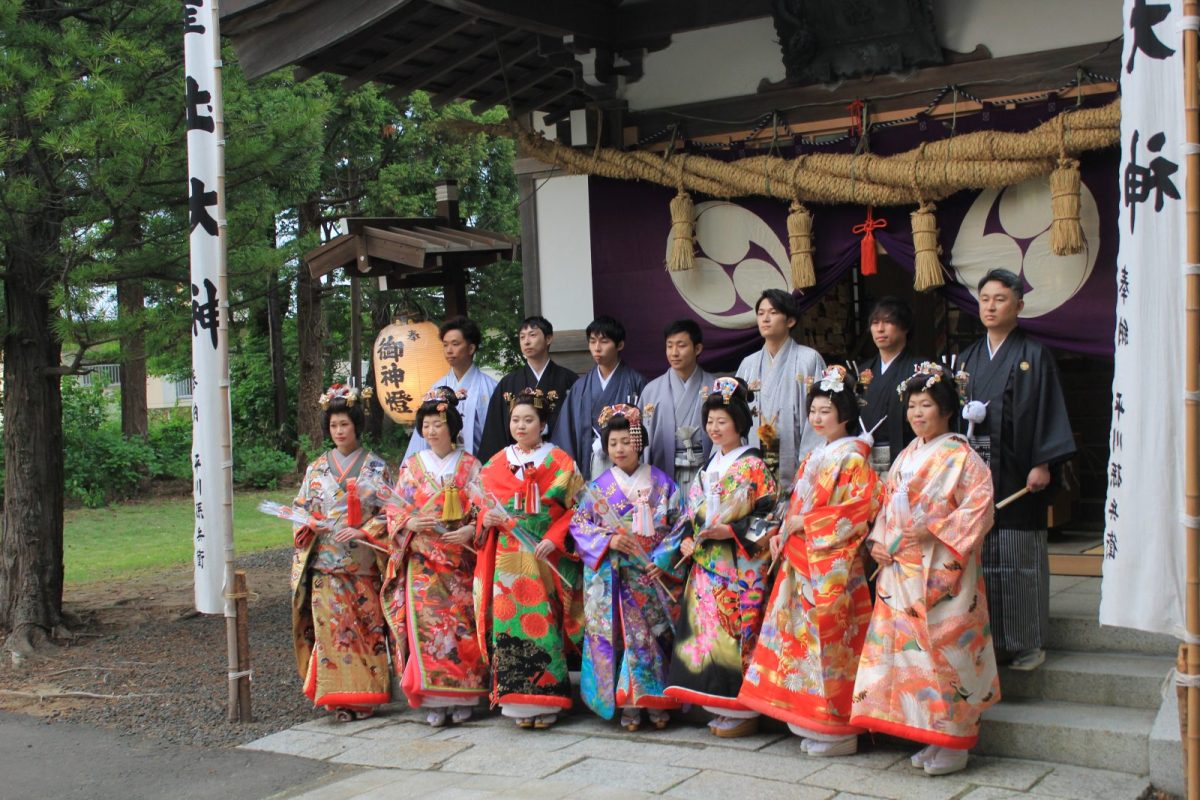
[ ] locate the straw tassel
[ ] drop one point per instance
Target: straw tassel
(927, 267)
(452, 509)
(1066, 232)
(682, 255)
(800, 244)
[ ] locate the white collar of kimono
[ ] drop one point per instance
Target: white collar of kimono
(630, 484)
(440, 467)
(537, 373)
(721, 462)
(603, 380)
(456, 383)
(920, 454)
(519, 459)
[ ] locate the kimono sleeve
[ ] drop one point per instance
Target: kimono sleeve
(495, 426)
(404, 506)
(562, 494)
(1052, 438)
(753, 474)
(668, 513)
(302, 534)
(848, 513)
(590, 536)
(375, 526)
(962, 530)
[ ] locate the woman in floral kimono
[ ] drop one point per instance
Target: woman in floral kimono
(337, 620)
(928, 670)
(525, 579)
(427, 586)
(623, 530)
(723, 599)
(812, 634)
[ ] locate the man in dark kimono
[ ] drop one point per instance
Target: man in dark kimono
(540, 372)
(1018, 424)
(891, 322)
(608, 383)
(677, 443)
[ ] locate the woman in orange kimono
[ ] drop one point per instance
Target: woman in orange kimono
(928, 669)
(525, 582)
(338, 628)
(803, 668)
(427, 586)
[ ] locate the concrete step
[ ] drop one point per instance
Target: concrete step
(1097, 736)
(1110, 679)
(1081, 631)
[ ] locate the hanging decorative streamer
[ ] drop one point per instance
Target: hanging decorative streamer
(683, 229)
(867, 229)
(800, 246)
(927, 266)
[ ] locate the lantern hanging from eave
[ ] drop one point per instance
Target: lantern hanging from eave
(408, 359)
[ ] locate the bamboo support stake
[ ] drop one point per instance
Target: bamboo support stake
(1191, 104)
(241, 599)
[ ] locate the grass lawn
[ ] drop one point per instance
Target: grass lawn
(127, 538)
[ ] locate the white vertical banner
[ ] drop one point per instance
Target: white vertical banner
(1143, 585)
(211, 473)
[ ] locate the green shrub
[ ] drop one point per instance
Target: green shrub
(100, 464)
(171, 442)
(261, 467)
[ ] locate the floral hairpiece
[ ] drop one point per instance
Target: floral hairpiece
(536, 396)
(726, 387)
(443, 393)
(926, 371)
(833, 379)
(350, 394)
(631, 414)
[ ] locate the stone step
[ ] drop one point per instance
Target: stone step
(1085, 735)
(1084, 633)
(1110, 679)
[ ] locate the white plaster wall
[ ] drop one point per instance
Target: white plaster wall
(565, 251)
(731, 60)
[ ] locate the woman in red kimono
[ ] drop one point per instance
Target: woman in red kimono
(803, 668)
(525, 579)
(427, 585)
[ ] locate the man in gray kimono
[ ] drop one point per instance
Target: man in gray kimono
(671, 404)
(778, 375)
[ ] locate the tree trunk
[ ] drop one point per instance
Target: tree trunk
(131, 299)
(31, 543)
(310, 327)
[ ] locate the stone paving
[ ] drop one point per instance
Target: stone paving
(396, 754)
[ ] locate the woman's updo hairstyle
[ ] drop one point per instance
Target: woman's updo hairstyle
(733, 396)
(442, 401)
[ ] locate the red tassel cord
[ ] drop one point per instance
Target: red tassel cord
(353, 504)
(867, 247)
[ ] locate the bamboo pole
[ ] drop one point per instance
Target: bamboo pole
(224, 411)
(1191, 51)
(242, 600)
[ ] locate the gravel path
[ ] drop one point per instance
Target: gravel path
(143, 643)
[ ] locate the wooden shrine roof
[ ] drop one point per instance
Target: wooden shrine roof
(381, 246)
(519, 53)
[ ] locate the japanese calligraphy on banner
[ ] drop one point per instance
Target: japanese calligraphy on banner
(211, 453)
(1143, 584)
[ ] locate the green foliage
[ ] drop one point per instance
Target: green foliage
(101, 464)
(170, 440)
(261, 467)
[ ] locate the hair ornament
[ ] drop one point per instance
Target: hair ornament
(631, 414)
(925, 374)
(726, 387)
(349, 394)
(535, 397)
(833, 379)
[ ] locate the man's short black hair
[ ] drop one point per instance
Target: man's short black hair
(781, 301)
(1006, 278)
(893, 310)
(538, 322)
(467, 327)
(608, 327)
(688, 326)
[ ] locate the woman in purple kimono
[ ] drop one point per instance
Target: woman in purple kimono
(622, 528)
